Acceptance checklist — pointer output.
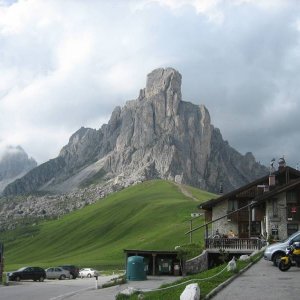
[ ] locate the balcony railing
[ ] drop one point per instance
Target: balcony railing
(251, 244)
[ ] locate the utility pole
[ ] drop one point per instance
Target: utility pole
(194, 216)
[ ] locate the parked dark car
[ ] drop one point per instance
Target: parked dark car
(26, 273)
(74, 271)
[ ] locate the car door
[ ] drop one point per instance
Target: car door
(28, 273)
(57, 272)
(50, 273)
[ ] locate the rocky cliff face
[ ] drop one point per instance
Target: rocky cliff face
(155, 136)
(14, 163)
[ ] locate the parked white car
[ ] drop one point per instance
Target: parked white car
(88, 272)
(57, 273)
(275, 251)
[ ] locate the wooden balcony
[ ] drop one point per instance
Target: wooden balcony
(234, 245)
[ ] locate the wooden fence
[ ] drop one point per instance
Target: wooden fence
(233, 244)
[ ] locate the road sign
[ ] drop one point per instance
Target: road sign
(195, 215)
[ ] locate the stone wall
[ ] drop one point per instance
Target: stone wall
(197, 264)
(279, 221)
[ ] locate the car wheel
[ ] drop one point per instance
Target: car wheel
(72, 276)
(41, 279)
(18, 278)
(276, 258)
(284, 266)
(89, 275)
(62, 277)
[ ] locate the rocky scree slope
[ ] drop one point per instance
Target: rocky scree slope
(158, 135)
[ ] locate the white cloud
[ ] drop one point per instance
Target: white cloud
(67, 64)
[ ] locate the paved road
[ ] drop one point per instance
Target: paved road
(49, 289)
(152, 282)
(263, 281)
(78, 289)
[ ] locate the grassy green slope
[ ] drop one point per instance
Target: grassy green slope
(153, 215)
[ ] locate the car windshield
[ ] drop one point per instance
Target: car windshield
(22, 269)
(291, 237)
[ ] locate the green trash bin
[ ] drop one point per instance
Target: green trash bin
(136, 268)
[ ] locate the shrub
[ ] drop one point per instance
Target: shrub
(115, 281)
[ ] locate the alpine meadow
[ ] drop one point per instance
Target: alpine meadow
(151, 215)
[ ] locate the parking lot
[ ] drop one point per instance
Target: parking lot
(261, 281)
(50, 289)
(80, 288)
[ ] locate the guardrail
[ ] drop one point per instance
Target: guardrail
(234, 243)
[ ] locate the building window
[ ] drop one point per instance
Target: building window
(291, 197)
(291, 228)
(274, 231)
(232, 205)
(275, 207)
(255, 228)
(292, 206)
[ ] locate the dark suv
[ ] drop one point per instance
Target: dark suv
(74, 271)
(25, 273)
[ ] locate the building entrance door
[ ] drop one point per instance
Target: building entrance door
(243, 230)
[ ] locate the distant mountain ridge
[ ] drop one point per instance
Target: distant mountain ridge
(14, 163)
(155, 136)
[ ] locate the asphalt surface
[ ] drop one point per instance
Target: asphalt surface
(76, 289)
(152, 282)
(263, 281)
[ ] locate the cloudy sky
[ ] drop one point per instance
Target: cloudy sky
(67, 64)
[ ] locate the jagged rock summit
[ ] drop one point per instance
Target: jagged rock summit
(14, 163)
(155, 136)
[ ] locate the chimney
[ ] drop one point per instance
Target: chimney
(271, 180)
(281, 164)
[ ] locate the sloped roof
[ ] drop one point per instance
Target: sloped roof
(294, 179)
(279, 189)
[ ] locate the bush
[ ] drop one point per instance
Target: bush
(188, 251)
(115, 281)
(122, 297)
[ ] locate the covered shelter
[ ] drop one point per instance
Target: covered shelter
(157, 262)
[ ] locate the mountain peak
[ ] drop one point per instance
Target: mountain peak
(163, 81)
(155, 136)
(14, 163)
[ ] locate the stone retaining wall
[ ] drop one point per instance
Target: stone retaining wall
(197, 264)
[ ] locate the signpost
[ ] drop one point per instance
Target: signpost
(193, 216)
(1, 262)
